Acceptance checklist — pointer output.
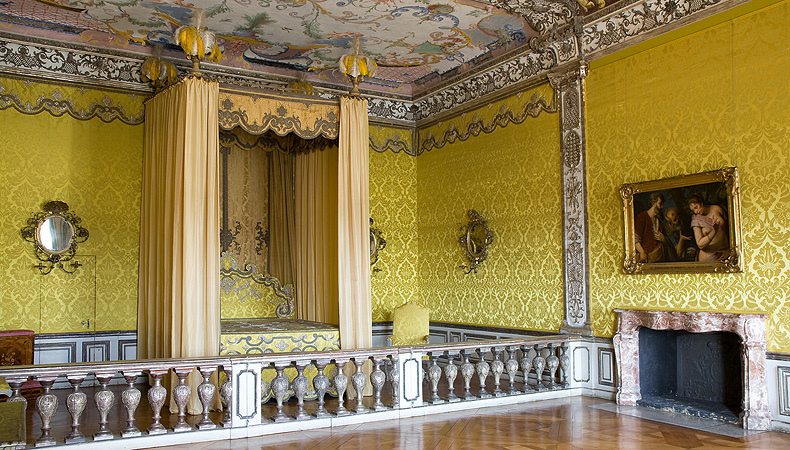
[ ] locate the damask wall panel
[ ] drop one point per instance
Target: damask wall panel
(511, 176)
(393, 207)
(95, 167)
(715, 98)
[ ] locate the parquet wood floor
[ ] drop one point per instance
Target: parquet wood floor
(566, 424)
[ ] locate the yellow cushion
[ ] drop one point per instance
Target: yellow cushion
(410, 325)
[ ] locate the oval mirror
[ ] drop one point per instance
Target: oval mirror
(475, 240)
(55, 234)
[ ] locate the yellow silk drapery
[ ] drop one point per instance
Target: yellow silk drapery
(178, 305)
(356, 327)
(316, 235)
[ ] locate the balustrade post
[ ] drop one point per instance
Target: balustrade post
(226, 397)
(359, 379)
(181, 394)
(46, 404)
(16, 388)
(377, 379)
(511, 367)
(482, 368)
(497, 367)
(130, 398)
(206, 391)
(341, 383)
(394, 378)
(321, 385)
(156, 398)
(104, 399)
(552, 363)
(565, 363)
(526, 367)
(451, 372)
(539, 363)
(279, 388)
(75, 403)
(435, 374)
(300, 387)
(467, 372)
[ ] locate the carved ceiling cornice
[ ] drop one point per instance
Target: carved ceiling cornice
(565, 36)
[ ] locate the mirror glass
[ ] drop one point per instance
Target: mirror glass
(55, 234)
(477, 239)
(373, 245)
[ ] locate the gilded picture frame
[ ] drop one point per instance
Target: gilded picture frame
(684, 224)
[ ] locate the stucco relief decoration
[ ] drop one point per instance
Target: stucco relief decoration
(640, 19)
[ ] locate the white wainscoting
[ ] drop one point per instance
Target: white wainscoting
(777, 370)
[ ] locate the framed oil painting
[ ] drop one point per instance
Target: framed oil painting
(684, 224)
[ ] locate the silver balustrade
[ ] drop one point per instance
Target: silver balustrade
(443, 375)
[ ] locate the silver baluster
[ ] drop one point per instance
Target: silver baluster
(565, 363)
(482, 368)
(104, 400)
(435, 374)
(16, 386)
(321, 385)
(46, 404)
(359, 379)
(552, 363)
(511, 367)
(497, 367)
(181, 394)
(539, 363)
(206, 391)
(279, 388)
(157, 394)
(526, 367)
(394, 377)
(130, 398)
(467, 372)
(451, 372)
(75, 403)
(300, 386)
(341, 383)
(226, 397)
(377, 379)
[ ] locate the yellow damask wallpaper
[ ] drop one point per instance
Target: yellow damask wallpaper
(511, 176)
(715, 98)
(93, 165)
(393, 207)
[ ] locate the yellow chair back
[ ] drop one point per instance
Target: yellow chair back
(410, 325)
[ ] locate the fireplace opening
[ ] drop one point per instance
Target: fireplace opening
(697, 374)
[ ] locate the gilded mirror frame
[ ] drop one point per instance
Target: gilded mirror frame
(377, 244)
(476, 249)
(50, 257)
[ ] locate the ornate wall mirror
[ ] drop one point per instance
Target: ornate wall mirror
(377, 243)
(55, 233)
(475, 239)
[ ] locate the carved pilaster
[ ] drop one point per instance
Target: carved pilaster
(569, 89)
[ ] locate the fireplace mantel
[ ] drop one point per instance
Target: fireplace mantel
(751, 328)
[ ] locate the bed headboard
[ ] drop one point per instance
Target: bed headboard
(248, 294)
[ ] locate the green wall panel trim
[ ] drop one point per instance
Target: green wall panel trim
(96, 168)
(718, 97)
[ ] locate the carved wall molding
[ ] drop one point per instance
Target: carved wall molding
(477, 124)
(569, 88)
(541, 15)
(617, 30)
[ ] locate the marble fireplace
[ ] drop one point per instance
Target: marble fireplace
(750, 330)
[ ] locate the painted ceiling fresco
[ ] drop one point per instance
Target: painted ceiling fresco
(411, 40)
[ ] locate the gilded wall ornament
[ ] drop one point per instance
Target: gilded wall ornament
(475, 239)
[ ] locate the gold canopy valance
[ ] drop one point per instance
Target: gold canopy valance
(256, 114)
